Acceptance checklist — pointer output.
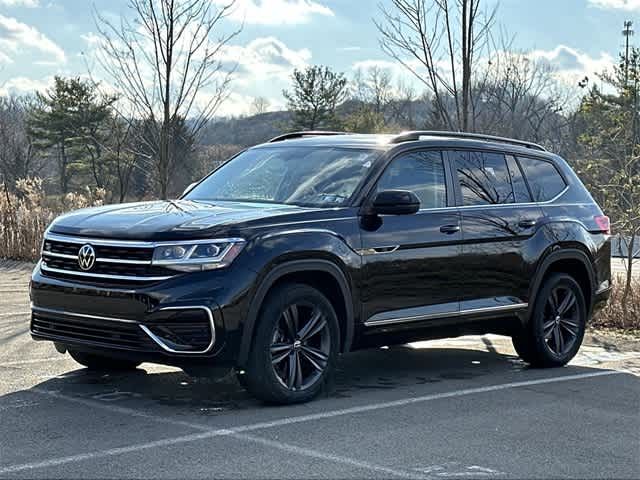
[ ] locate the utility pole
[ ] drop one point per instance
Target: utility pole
(627, 32)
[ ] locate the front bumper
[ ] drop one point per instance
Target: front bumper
(176, 322)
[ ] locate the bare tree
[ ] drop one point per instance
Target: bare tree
(426, 35)
(260, 105)
(18, 158)
(519, 97)
(167, 65)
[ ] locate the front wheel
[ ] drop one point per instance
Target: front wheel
(103, 364)
(556, 328)
(295, 346)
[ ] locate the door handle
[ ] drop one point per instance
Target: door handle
(527, 223)
(449, 229)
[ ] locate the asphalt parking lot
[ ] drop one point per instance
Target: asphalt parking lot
(462, 408)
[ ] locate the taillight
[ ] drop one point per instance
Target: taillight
(603, 222)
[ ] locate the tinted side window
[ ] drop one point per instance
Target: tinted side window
(543, 177)
(419, 172)
(484, 178)
(520, 190)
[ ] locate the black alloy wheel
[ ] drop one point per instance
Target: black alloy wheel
(295, 346)
(555, 328)
(561, 320)
(300, 346)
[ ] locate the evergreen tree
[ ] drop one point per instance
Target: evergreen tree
(315, 95)
(69, 118)
(610, 143)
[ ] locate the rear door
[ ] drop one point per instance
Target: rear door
(410, 261)
(499, 217)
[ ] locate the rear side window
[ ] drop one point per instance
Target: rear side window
(520, 190)
(419, 172)
(543, 177)
(484, 178)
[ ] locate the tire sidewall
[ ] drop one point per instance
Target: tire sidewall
(537, 319)
(271, 389)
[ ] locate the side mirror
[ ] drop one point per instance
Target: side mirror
(396, 202)
(188, 189)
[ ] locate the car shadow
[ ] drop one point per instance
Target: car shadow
(357, 374)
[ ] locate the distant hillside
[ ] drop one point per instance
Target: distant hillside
(246, 131)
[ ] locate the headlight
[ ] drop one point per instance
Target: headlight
(197, 255)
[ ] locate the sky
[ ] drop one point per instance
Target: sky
(43, 38)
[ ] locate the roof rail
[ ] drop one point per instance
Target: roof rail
(416, 135)
(307, 133)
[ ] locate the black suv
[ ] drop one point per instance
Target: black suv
(318, 243)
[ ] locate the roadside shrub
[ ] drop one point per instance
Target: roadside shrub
(613, 315)
(26, 211)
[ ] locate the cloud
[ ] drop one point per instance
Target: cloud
(20, 3)
(628, 5)
(264, 58)
(275, 12)
(572, 65)
(25, 85)
(15, 36)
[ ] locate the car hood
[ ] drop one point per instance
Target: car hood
(165, 220)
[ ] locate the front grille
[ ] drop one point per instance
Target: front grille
(91, 331)
(127, 262)
(105, 268)
(102, 251)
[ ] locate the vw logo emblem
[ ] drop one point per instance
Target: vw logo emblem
(86, 257)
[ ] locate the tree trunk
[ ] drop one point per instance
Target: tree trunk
(64, 181)
(629, 272)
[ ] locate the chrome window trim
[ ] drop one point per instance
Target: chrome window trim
(132, 243)
(459, 313)
(165, 347)
(499, 205)
(44, 268)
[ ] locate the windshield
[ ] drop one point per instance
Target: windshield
(306, 176)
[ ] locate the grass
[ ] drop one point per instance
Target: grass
(613, 316)
(26, 211)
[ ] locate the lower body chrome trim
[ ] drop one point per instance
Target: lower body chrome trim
(165, 347)
(144, 328)
(80, 315)
(459, 313)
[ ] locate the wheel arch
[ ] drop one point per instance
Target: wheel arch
(312, 272)
(573, 261)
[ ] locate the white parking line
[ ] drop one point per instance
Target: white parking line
(15, 314)
(120, 410)
(33, 360)
(208, 433)
(328, 457)
(234, 431)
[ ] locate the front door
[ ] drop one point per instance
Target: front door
(411, 270)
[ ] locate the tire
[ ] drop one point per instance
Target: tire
(103, 364)
(295, 346)
(555, 330)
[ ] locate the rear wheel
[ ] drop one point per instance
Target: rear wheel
(295, 346)
(101, 363)
(556, 328)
